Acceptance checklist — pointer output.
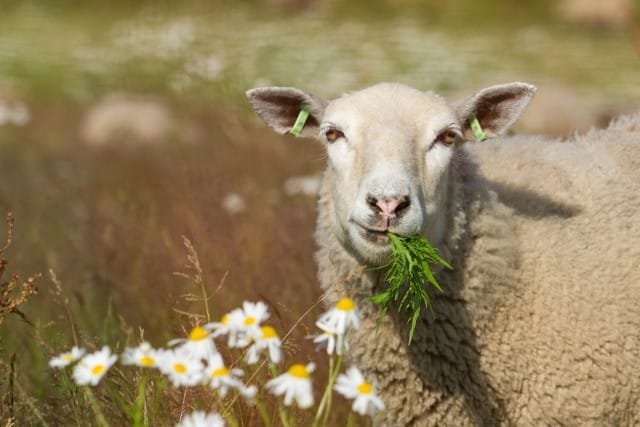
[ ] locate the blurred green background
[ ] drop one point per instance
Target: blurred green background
(123, 127)
(200, 52)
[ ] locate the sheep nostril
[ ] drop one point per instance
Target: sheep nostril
(388, 207)
(372, 201)
(404, 203)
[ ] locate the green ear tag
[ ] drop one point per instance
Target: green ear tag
(477, 129)
(300, 121)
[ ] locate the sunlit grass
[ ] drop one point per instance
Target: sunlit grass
(87, 384)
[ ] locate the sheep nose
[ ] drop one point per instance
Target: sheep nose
(389, 207)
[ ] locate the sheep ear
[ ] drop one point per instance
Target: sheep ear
(280, 107)
(495, 108)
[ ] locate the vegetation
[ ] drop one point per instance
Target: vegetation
(406, 274)
(105, 225)
(12, 295)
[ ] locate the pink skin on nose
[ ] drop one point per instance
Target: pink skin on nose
(388, 207)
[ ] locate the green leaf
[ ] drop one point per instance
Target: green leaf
(409, 270)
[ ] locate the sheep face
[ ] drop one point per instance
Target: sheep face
(389, 148)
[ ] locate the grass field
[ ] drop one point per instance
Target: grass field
(108, 222)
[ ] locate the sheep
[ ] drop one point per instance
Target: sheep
(539, 319)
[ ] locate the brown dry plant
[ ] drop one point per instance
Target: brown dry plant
(12, 295)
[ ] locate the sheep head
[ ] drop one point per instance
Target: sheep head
(389, 148)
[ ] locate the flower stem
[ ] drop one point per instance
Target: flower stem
(327, 390)
(140, 407)
(325, 404)
(283, 416)
(281, 412)
(226, 411)
(95, 406)
(352, 419)
(266, 419)
(331, 382)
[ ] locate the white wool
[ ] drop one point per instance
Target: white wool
(539, 321)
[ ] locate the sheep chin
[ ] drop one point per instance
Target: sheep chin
(371, 247)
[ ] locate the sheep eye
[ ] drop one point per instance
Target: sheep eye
(333, 134)
(447, 137)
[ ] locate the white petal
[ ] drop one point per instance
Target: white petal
(275, 353)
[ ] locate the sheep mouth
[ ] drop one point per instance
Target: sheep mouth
(374, 235)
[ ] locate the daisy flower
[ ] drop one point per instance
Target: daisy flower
(92, 367)
(242, 325)
(268, 340)
(222, 378)
(65, 359)
(254, 314)
(231, 325)
(341, 317)
(201, 419)
(249, 393)
(198, 345)
(223, 327)
(143, 355)
(332, 341)
(353, 386)
(181, 368)
(294, 384)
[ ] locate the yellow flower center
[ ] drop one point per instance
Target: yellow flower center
(67, 357)
(147, 361)
(225, 319)
(221, 372)
(179, 368)
(249, 321)
(298, 371)
(365, 388)
(345, 304)
(97, 370)
(198, 334)
(269, 332)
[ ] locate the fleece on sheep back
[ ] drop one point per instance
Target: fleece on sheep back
(539, 321)
(576, 321)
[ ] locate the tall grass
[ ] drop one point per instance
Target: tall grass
(109, 223)
(135, 397)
